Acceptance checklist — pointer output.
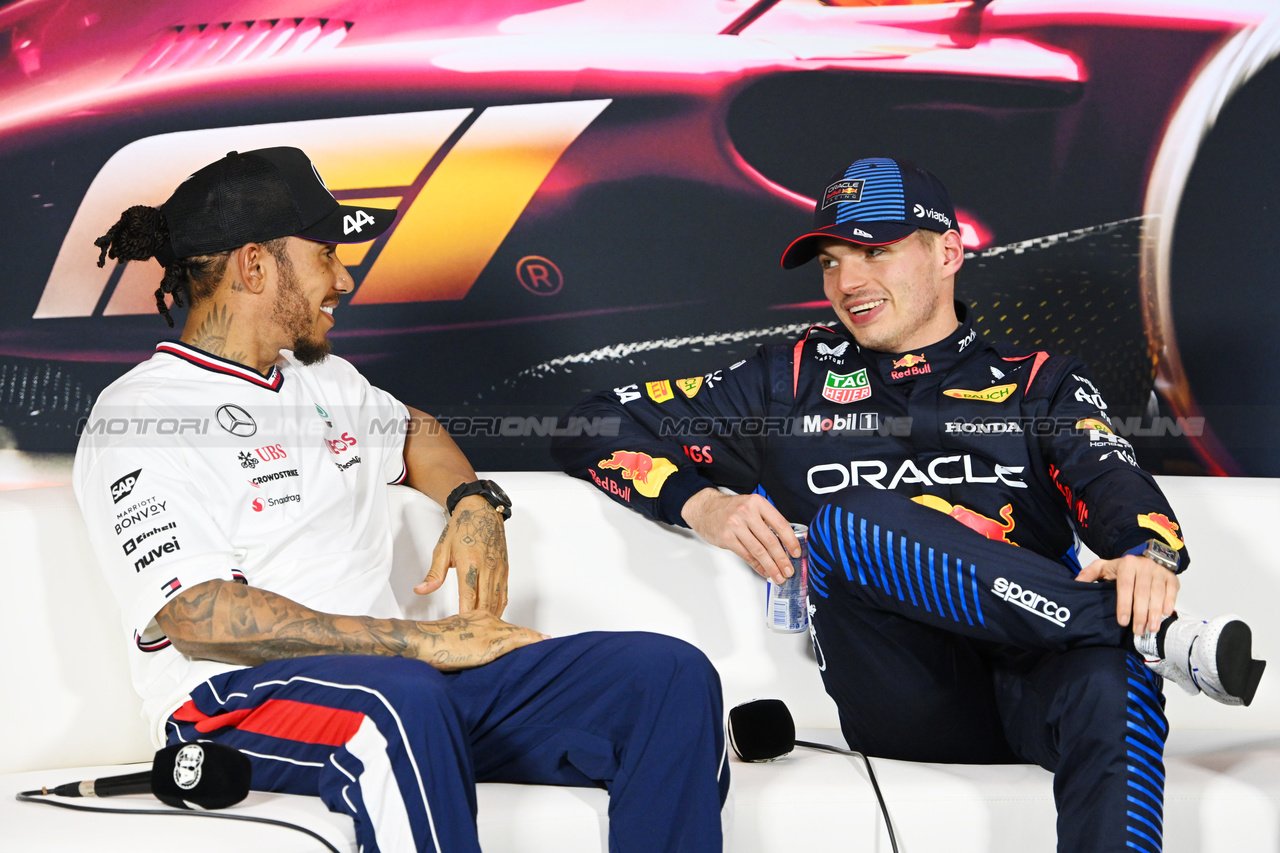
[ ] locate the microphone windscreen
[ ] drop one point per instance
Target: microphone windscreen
(761, 730)
(200, 776)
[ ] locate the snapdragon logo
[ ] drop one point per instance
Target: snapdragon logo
(1031, 601)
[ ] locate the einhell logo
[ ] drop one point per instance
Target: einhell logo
(447, 229)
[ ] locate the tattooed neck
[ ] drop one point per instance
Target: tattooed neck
(211, 336)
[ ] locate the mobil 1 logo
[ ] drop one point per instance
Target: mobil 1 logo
(123, 487)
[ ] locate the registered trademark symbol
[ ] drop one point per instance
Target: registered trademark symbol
(539, 275)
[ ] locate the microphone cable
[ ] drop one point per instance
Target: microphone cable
(871, 774)
(38, 795)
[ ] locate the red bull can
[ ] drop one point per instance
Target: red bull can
(787, 605)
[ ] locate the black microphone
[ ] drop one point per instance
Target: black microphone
(761, 730)
(183, 775)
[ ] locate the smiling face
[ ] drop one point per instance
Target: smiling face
(310, 280)
(896, 297)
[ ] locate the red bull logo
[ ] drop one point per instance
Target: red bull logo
(983, 524)
(645, 471)
(910, 365)
(1164, 526)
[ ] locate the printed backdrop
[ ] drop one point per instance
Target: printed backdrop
(593, 194)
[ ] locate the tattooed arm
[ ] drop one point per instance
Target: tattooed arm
(234, 623)
(473, 539)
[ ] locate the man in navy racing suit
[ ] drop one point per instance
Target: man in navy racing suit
(939, 641)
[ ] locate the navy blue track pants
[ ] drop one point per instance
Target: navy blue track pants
(399, 746)
(938, 644)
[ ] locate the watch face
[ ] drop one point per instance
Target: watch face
(497, 491)
(1162, 554)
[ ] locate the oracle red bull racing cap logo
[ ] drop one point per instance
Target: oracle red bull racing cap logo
(647, 473)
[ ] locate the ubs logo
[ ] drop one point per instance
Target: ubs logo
(236, 421)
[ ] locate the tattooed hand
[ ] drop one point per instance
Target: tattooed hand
(470, 639)
(475, 543)
(236, 623)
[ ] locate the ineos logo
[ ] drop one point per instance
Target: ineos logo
(236, 421)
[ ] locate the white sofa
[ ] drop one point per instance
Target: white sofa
(580, 562)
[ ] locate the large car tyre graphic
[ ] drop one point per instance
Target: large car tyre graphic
(1210, 257)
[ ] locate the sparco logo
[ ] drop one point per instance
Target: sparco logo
(1032, 602)
(236, 421)
(121, 488)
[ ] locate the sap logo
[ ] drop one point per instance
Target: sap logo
(156, 553)
(1030, 601)
(627, 393)
(921, 213)
(121, 488)
(858, 232)
(837, 476)
(338, 446)
(355, 223)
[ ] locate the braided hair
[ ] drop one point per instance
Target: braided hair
(142, 233)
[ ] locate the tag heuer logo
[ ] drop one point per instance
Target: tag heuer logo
(847, 387)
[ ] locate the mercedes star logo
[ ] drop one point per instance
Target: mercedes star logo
(236, 421)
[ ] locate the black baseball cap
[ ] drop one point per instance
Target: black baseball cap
(261, 195)
(874, 202)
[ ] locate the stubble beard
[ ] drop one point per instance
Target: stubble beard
(293, 314)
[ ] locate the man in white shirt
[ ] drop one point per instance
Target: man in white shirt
(234, 487)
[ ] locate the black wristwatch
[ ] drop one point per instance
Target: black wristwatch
(486, 489)
(1161, 554)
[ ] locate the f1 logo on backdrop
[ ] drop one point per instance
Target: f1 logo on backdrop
(448, 228)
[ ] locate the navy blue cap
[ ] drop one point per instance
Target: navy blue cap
(874, 202)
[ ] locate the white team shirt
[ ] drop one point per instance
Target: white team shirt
(192, 467)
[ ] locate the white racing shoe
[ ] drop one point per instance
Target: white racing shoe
(1214, 658)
